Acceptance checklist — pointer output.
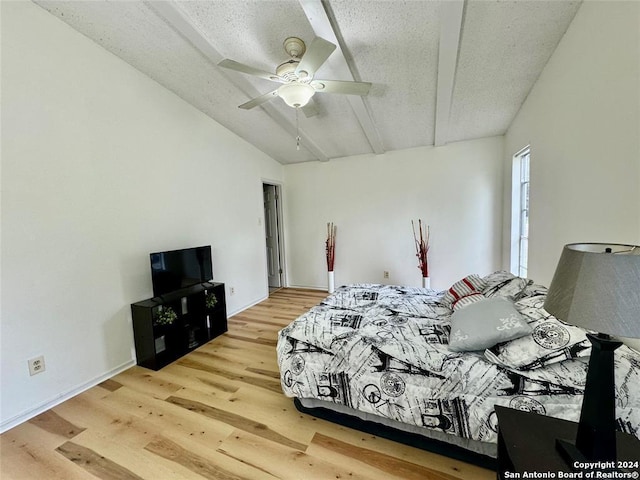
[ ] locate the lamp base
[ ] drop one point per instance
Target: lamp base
(570, 453)
(627, 456)
(596, 436)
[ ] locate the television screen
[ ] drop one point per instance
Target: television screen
(178, 269)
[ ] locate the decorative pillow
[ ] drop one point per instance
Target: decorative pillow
(532, 308)
(534, 290)
(484, 324)
(467, 300)
(497, 277)
(468, 285)
(505, 284)
(550, 341)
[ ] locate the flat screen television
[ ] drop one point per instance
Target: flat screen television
(176, 269)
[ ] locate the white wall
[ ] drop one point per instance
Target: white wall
(456, 189)
(582, 119)
(100, 166)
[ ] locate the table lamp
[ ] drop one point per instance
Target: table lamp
(596, 286)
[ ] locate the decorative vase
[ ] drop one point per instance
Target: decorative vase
(331, 280)
(426, 282)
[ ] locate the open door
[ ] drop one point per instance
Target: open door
(272, 229)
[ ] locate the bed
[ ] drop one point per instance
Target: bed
(427, 367)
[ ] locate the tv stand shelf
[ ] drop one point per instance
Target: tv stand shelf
(199, 315)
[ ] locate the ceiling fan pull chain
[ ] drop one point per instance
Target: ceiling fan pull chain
(297, 130)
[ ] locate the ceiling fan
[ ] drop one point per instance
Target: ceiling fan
(297, 75)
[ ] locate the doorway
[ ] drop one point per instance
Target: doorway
(273, 235)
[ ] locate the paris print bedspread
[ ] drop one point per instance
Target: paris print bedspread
(383, 350)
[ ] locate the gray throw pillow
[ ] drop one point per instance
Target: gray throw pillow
(486, 323)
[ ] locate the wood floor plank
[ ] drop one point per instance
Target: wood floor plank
(254, 360)
(238, 350)
(218, 412)
(238, 421)
(147, 382)
(327, 447)
(171, 448)
(29, 453)
(173, 421)
(54, 423)
(205, 364)
(177, 374)
(282, 462)
(266, 373)
(260, 340)
(110, 385)
(248, 357)
(95, 463)
(201, 379)
(198, 464)
(278, 325)
(90, 411)
(107, 458)
(270, 409)
(111, 421)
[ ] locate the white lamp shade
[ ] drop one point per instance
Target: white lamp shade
(596, 286)
(296, 94)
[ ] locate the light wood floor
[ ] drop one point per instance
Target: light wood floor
(217, 413)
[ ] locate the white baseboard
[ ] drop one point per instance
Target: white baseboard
(242, 309)
(58, 399)
(309, 287)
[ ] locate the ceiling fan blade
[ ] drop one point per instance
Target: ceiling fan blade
(259, 100)
(310, 109)
(256, 72)
(339, 86)
(316, 55)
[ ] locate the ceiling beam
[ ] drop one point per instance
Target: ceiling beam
(322, 27)
(450, 29)
(177, 19)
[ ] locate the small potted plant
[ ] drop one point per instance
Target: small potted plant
(211, 300)
(166, 316)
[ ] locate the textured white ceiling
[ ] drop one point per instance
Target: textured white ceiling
(396, 45)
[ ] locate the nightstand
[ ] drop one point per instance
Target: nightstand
(527, 444)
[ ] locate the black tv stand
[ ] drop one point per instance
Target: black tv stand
(199, 315)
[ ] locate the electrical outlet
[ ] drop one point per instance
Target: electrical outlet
(36, 365)
(232, 290)
(385, 274)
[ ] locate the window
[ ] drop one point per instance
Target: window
(520, 213)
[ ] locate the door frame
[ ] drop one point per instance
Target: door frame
(279, 231)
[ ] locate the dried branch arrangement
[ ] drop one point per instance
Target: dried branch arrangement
(331, 245)
(422, 246)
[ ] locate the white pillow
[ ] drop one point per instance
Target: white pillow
(550, 341)
(505, 284)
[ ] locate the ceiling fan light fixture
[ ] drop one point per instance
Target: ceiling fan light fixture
(296, 94)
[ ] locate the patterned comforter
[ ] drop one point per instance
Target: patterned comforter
(383, 350)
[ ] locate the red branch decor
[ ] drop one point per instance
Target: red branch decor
(331, 245)
(422, 246)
